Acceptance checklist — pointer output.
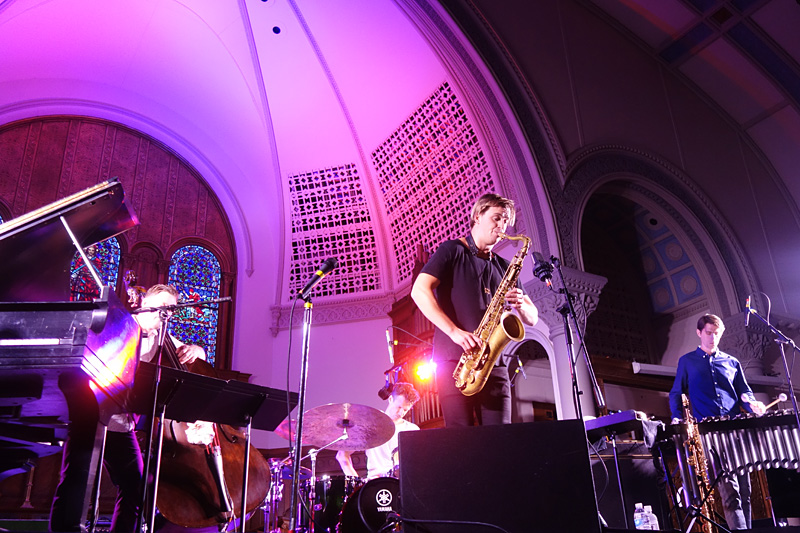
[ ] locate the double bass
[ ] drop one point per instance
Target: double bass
(200, 483)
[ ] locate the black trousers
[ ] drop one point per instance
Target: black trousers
(492, 405)
(123, 460)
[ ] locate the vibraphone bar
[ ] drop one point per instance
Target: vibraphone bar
(748, 442)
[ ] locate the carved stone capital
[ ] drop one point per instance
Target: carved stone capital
(583, 286)
(276, 311)
(746, 343)
(332, 312)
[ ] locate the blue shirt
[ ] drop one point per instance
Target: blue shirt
(714, 384)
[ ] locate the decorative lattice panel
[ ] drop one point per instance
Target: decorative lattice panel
(197, 275)
(430, 170)
(330, 219)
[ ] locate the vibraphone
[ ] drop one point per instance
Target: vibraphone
(748, 442)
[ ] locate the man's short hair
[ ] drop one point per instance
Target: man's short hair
(402, 388)
(492, 200)
(159, 288)
(708, 318)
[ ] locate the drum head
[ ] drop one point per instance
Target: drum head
(366, 509)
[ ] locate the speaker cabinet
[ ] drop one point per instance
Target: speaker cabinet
(784, 489)
(525, 478)
(642, 482)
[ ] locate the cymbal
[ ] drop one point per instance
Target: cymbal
(366, 426)
(283, 431)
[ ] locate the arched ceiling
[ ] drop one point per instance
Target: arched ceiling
(744, 55)
(247, 91)
(252, 91)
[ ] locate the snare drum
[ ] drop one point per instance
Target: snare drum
(330, 494)
(366, 509)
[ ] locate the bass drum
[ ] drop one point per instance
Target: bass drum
(366, 509)
(330, 494)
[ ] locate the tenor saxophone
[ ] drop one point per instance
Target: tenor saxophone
(694, 469)
(498, 326)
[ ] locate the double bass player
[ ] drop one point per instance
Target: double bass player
(123, 457)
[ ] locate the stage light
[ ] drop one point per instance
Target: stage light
(425, 370)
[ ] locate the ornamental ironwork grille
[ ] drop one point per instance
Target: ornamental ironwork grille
(104, 257)
(196, 273)
(430, 171)
(330, 218)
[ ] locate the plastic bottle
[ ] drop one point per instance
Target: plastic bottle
(639, 518)
(651, 518)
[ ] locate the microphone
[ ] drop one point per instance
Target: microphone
(542, 269)
(389, 345)
(386, 390)
(324, 269)
(747, 316)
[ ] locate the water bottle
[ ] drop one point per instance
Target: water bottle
(651, 518)
(639, 518)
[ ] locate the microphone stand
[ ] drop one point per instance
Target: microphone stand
(168, 308)
(297, 453)
(567, 310)
(783, 340)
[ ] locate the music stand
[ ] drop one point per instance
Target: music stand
(188, 397)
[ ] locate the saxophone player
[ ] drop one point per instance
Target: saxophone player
(453, 291)
(715, 385)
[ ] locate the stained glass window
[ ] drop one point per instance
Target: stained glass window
(104, 256)
(196, 273)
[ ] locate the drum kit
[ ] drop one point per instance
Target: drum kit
(329, 504)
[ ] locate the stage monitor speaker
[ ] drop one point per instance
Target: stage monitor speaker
(642, 482)
(524, 478)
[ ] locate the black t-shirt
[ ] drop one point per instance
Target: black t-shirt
(460, 293)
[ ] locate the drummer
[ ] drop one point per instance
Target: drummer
(380, 459)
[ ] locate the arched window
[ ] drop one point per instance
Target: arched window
(104, 256)
(197, 275)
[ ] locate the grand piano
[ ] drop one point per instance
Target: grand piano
(59, 357)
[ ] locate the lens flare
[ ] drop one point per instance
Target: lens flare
(425, 370)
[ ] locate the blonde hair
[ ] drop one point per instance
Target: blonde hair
(492, 200)
(159, 288)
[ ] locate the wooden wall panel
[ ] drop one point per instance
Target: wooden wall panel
(12, 150)
(47, 165)
(44, 159)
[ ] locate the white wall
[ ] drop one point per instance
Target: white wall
(346, 364)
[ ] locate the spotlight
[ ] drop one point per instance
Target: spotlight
(425, 370)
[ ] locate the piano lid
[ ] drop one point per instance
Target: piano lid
(36, 248)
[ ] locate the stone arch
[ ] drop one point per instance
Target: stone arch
(537, 365)
(662, 187)
(632, 308)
